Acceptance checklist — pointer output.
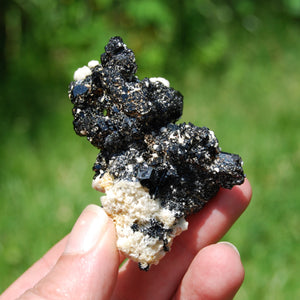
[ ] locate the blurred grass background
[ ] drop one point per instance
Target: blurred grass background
(237, 64)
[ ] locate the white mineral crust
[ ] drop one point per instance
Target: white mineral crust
(162, 80)
(82, 73)
(129, 203)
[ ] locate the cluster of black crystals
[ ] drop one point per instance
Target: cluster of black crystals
(132, 122)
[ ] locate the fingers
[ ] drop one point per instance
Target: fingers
(216, 218)
(205, 228)
(215, 273)
(89, 264)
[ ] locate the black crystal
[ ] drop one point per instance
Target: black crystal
(132, 122)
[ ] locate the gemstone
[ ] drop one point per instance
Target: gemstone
(154, 172)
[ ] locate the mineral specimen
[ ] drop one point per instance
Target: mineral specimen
(154, 172)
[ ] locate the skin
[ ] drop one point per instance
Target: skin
(85, 264)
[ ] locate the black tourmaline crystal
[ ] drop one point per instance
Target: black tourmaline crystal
(132, 122)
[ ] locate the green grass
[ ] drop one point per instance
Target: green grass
(253, 107)
(261, 99)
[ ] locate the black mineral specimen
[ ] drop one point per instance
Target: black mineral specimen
(132, 122)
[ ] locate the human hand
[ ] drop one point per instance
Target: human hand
(84, 265)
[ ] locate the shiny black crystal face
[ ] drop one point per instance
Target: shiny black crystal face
(132, 122)
(113, 108)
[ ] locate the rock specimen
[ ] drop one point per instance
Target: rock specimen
(154, 172)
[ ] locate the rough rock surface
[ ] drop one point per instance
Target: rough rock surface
(154, 172)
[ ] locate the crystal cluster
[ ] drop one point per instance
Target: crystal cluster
(154, 172)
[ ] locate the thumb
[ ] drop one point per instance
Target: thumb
(88, 267)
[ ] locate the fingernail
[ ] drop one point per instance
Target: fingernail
(232, 246)
(87, 231)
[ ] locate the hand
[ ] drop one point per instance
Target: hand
(84, 265)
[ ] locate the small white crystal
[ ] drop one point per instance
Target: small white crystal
(82, 73)
(93, 63)
(160, 79)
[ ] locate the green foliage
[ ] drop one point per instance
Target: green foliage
(293, 7)
(236, 62)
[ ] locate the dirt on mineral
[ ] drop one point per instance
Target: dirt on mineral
(154, 172)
